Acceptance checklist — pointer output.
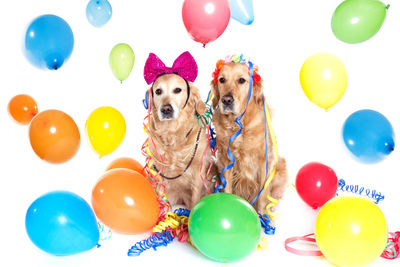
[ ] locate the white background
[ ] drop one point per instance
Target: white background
(282, 36)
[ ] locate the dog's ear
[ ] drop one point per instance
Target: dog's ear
(195, 99)
(215, 92)
(258, 93)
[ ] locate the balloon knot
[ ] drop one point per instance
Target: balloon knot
(387, 7)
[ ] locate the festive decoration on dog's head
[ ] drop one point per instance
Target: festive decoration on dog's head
(235, 59)
(184, 66)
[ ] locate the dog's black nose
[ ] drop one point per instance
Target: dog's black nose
(227, 100)
(167, 109)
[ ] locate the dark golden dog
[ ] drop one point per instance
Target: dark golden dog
(247, 176)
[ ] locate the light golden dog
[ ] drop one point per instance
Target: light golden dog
(247, 176)
(178, 138)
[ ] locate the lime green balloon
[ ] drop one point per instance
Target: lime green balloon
(355, 21)
(224, 227)
(122, 59)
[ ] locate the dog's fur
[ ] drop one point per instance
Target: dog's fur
(175, 139)
(247, 176)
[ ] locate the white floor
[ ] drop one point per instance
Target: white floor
(283, 35)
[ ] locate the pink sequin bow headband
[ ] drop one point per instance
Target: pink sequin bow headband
(184, 66)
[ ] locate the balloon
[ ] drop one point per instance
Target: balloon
(98, 12)
(48, 42)
(316, 183)
(224, 227)
(122, 59)
(22, 108)
(323, 78)
(105, 129)
(355, 21)
(54, 136)
(242, 11)
(205, 20)
(127, 163)
(368, 135)
(62, 223)
(351, 231)
(125, 201)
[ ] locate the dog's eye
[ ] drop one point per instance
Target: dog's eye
(242, 80)
(158, 91)
(177, 90)
(222, 80)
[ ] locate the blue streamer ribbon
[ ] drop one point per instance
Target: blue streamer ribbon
(145, 102)
(157, 239)
(266, 224)
(360, 190)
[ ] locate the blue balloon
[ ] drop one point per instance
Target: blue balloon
(48, 42)
(62, 223)
(98, 12)
(368, 135)
(242, 11)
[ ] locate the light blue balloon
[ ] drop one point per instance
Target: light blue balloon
(48, 42)
(62, 223)
(368, 135)
(242, 11)
(98, 12)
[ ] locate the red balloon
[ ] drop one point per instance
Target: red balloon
(205, 20)
(316, 183)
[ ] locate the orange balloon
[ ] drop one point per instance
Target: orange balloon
(54, 136)
(127, 163)
(125, 201)
(22, 108)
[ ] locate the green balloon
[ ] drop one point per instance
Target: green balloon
(224, 227)
(355, 21)
(122, 59)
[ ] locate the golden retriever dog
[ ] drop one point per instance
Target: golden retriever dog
(230, 88)
(178, 138)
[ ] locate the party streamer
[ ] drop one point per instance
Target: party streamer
(360, 190)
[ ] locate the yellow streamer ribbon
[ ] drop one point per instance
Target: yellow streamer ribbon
(274, 201)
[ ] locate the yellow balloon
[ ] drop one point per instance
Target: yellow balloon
(105, 129)
(323, 78)
(351, 231)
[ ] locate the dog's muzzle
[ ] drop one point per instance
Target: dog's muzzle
(228, 103)
(167, 112)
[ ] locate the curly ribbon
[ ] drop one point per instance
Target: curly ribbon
(307, 238)
(263, 244)
(154, 176)
(360, 190)
(175, 225)
(268, 122)
(154, 241)
(104, 234)
(392, 250)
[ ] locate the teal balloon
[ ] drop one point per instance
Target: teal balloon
(224, 227)
(62, 223)
(242, 11)
(355, 21)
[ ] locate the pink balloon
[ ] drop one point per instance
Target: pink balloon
(206, 20)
